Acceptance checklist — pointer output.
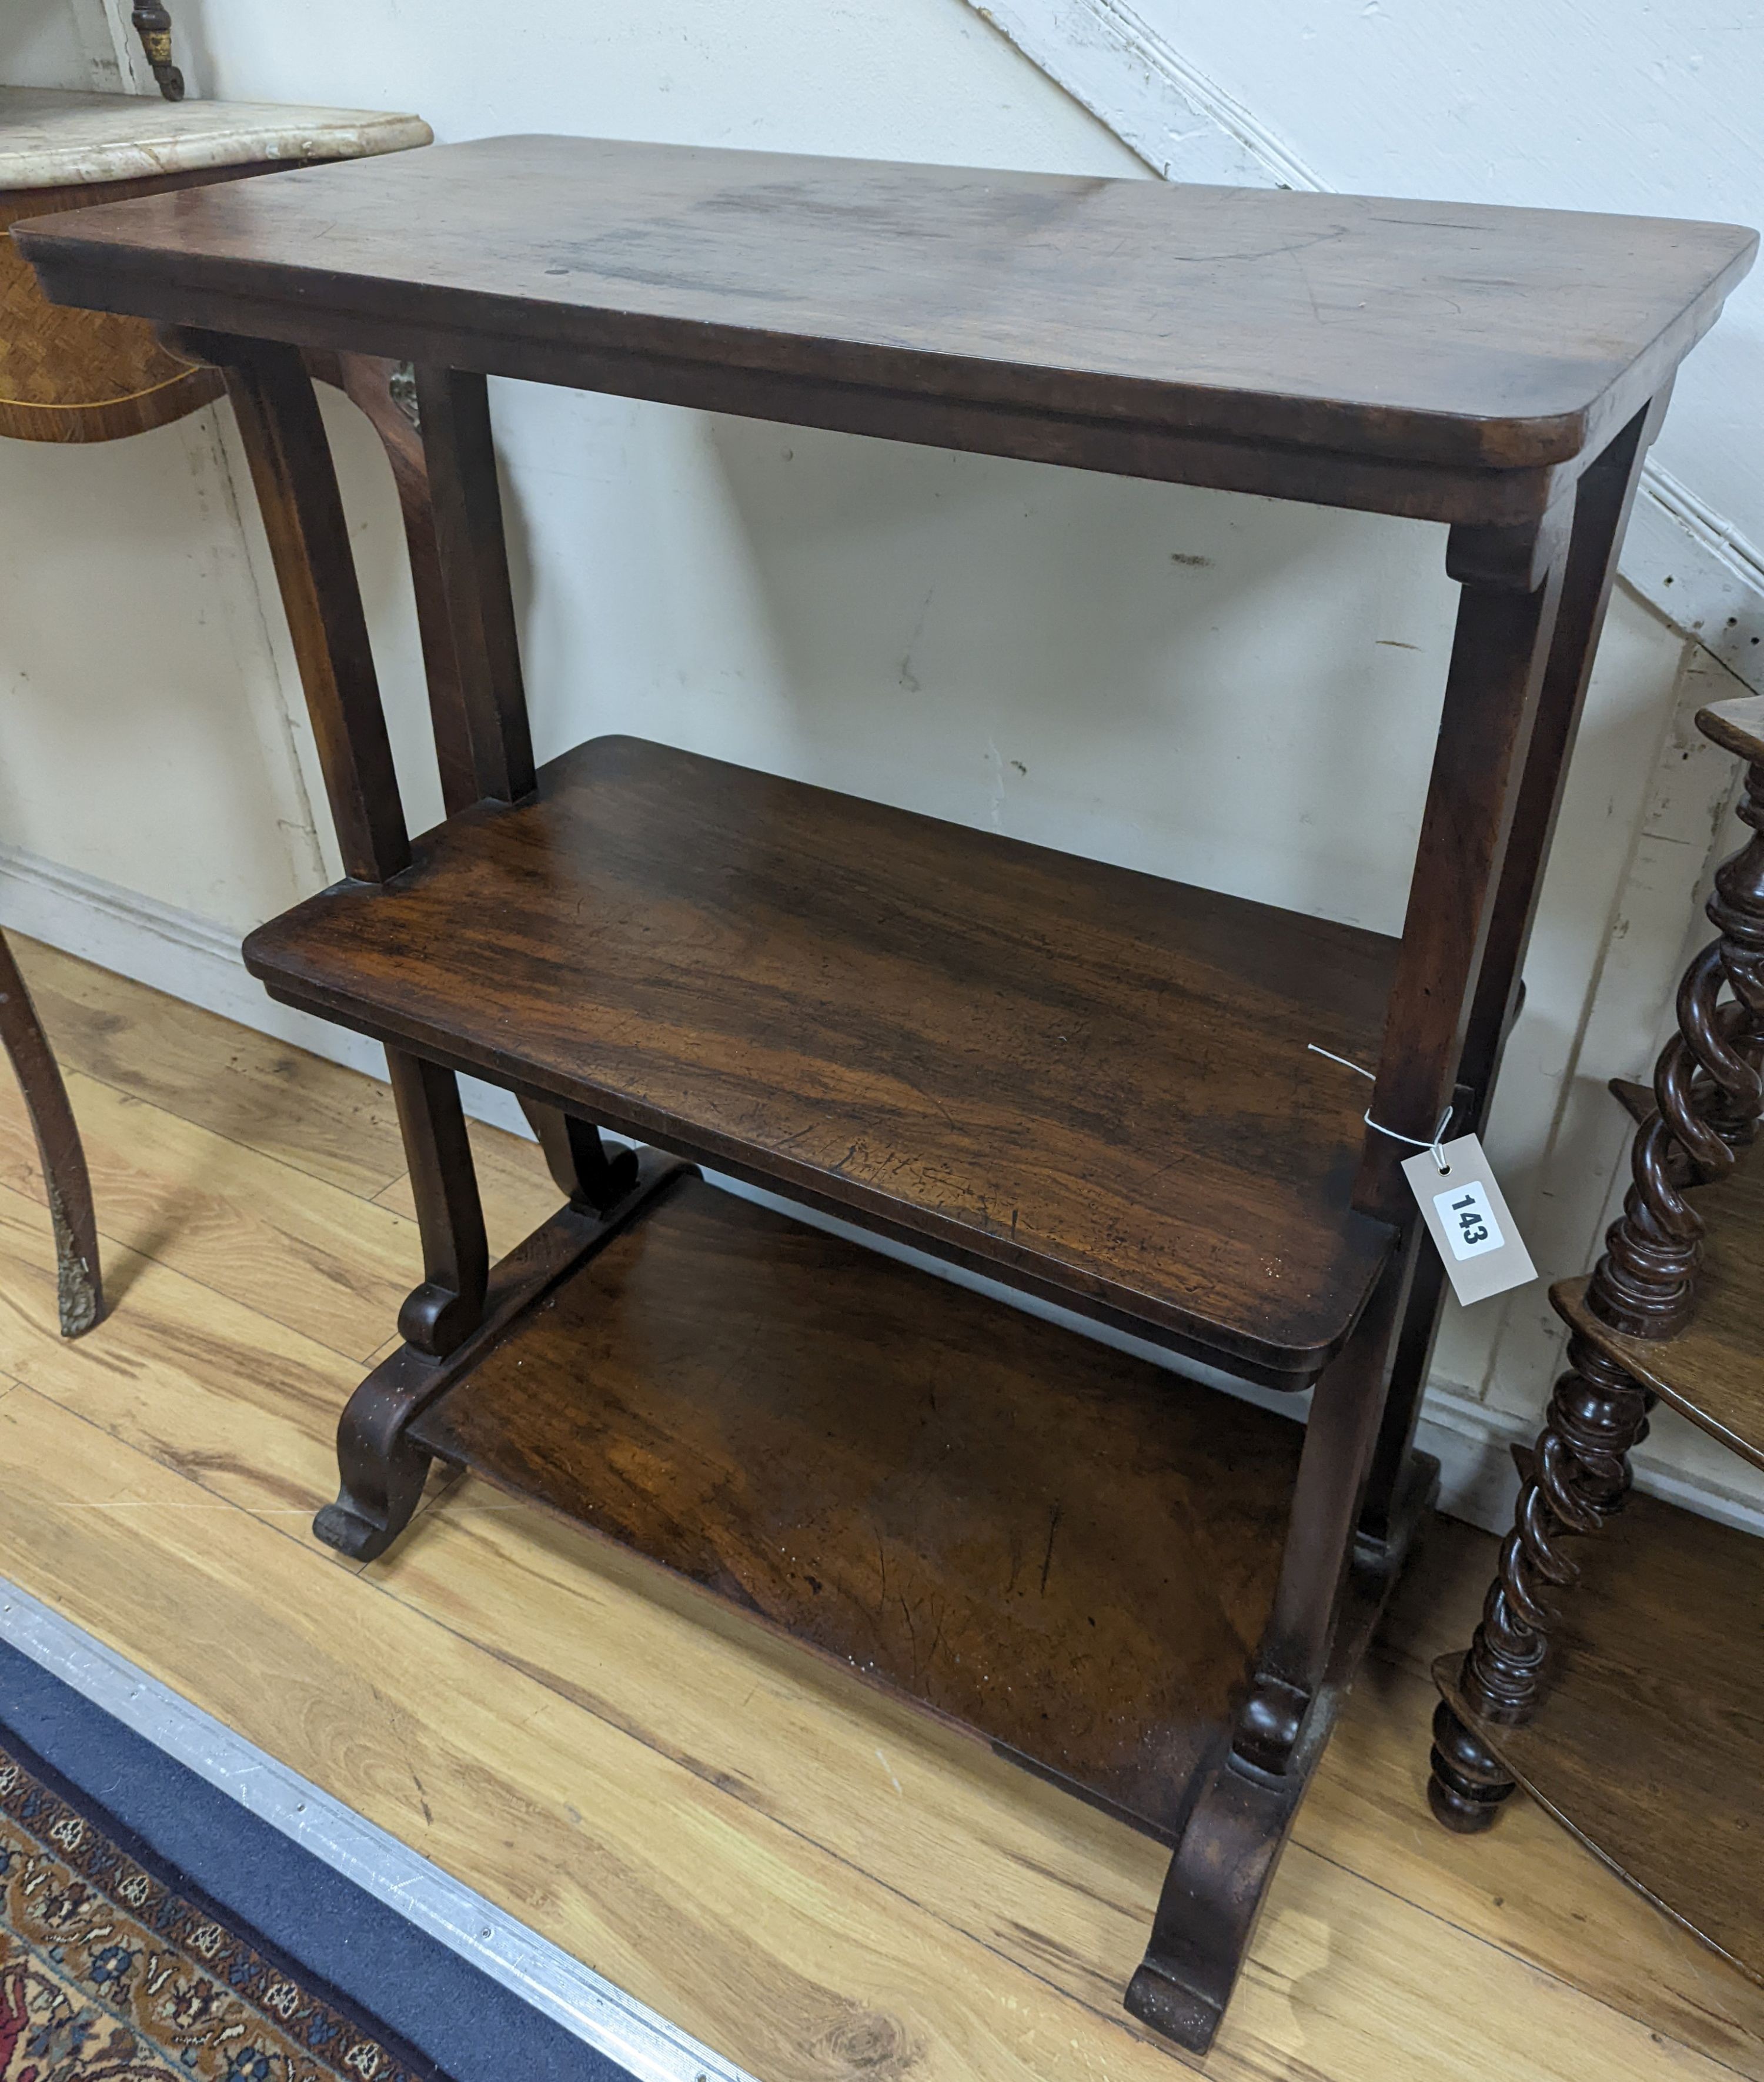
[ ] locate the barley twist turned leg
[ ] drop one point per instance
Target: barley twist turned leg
(1580, 1477)
(1708, 1094)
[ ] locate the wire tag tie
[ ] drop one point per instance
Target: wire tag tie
(1396, 1135)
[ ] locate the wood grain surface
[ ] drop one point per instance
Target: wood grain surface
(1093, 1079)
(1649, 1742)
(81, 376)
(1455, 332)
(821, 1883)
(1713, 1371)
(241, 1086)
(1066, 1550)
(304, 1253)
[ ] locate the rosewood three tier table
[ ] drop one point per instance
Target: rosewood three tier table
(1089, 1084)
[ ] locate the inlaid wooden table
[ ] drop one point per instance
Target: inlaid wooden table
(78, 377)
(1087, 1083)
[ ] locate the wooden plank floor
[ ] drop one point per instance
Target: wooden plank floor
(801, 1874)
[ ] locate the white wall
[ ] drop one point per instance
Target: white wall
(40, 45)
(1622, 105)
(1616, 109)
(1229, 690)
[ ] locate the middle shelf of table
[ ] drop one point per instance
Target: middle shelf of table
(1087, 1081)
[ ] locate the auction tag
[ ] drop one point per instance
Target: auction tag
(1469, 1220)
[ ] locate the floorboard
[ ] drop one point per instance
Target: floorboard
(243, 1084)
(798, 1871)
(298, 1250)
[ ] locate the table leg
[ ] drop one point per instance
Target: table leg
(1708, 1090)
(1579, 1476)
(439, 1315)
(308, 542)
(1602, 502)
(581, 1167)
(368, 381)
(1512, 579)
(297, 489)
(457, 434)
(1245, 1802)
(79, 1292)
(470, 549)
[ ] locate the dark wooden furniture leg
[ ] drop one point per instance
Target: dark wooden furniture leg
(1708, 1094)
(309, 543)
(1575, 1477)
(1512, 580)
(1245, 1802)
(471, 552)
(297, 489)
(79, 1292)
(1602, 501)
(453, 407)
(453, 518)
(470, 536)
(582, 1168)
(439, 1315)
(382, 1470)
(387, 399)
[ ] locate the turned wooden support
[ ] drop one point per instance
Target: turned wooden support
(1708, 1089)
(1576, 1477)
(1466, 1787)
(1708, 1094)
(1737, 910)
(1579, 1475)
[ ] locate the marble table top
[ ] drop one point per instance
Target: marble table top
(49, 138)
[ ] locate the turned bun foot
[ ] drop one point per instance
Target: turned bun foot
(1467, 1787)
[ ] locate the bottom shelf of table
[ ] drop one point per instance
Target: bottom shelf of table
(1649, 1742)
(1068, 1551)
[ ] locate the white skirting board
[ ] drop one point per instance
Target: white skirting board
(188, 958)
(481, 1934)
(197, 961)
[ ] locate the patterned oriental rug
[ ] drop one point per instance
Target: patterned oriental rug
(111, 1971)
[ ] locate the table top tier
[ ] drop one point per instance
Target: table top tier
(51, 138)
(1122, 325)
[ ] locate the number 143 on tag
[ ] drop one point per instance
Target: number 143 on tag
(1468, 1220)
(1470, 1224)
